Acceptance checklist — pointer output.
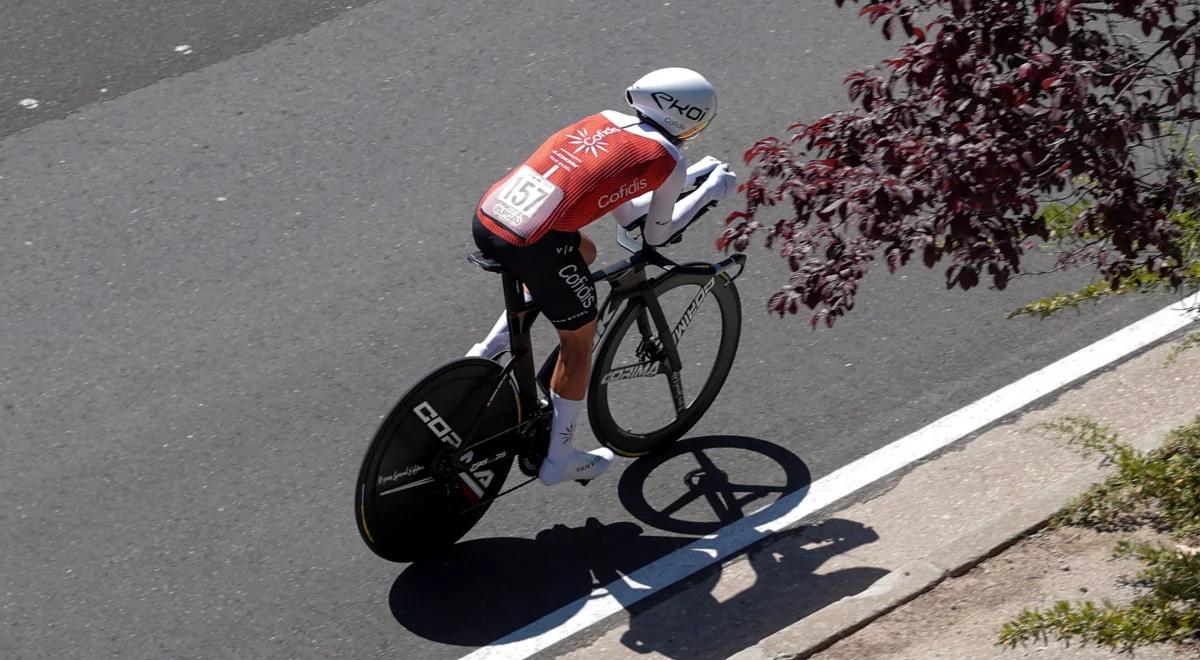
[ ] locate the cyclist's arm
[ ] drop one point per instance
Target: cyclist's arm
(639, 206)
(665, 213)
(701, 168)
(644, 204)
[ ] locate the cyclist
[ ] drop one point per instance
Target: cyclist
(529, 222)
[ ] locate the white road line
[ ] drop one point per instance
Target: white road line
(606, 601)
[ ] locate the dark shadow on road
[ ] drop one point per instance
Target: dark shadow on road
(699, 485)
(486, 589)
(694, 494)
(795, 575)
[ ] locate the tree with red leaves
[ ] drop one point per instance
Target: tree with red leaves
(996, 123)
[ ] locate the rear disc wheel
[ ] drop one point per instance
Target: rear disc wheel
(410, 504)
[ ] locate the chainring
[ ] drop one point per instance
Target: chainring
(529, 460)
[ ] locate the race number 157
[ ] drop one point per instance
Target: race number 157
(526, 191)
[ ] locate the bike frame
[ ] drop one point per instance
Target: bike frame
(629, 284)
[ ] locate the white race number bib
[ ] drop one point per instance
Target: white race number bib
(524, 202)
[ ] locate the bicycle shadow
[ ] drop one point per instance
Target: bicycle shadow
(793, 574)
(700, 497)
(486, 589)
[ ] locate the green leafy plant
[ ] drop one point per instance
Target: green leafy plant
(1061, 220)
(1161, 486)
(1144, 278)
(1190, 341)
(1168, 611)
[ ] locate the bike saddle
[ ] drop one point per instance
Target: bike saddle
(483, 262)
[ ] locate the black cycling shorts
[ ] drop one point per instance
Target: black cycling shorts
(552, 268)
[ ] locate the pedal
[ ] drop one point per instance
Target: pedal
(529, 465)
(530, 459)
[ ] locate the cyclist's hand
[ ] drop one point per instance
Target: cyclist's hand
(720, 183)
(702, 167)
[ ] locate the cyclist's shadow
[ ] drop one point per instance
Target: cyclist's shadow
(486, 589)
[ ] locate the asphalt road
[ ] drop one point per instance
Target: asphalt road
(214, 286)
(63, 54)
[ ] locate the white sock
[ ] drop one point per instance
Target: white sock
(497, 339)
(562, 431)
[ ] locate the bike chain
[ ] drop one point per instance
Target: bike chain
(489, 500)
(529, 459)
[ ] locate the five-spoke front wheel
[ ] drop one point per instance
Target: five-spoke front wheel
(636, 402)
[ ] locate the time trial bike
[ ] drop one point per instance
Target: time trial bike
(443, 454)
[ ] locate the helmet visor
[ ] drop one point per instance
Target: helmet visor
(695, 130)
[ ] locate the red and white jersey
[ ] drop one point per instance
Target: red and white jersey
(579, 174)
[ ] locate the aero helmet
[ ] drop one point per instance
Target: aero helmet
(679, 101)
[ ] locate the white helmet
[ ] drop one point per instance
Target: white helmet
(679, 101)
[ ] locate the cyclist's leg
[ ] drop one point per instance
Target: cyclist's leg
(568, 388)
(557, 274)
(555, 271)
(571, 373)
(497, 339)
(570, 378)
(496, 342)
(587, 248)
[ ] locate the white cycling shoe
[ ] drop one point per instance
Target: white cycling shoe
(479, 350)
(577, 466)
(490, 352)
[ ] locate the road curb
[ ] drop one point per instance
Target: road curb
(841, 619)
(825, 576)
(850, 615)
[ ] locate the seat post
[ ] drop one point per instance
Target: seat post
(519, 321)
(514, 297)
